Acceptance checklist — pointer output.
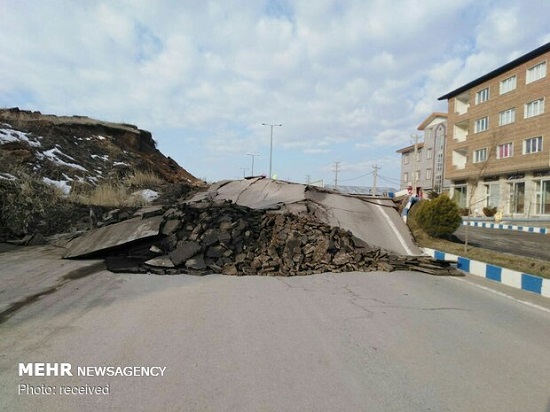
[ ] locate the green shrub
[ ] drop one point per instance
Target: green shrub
(30, 206)
(439, 217)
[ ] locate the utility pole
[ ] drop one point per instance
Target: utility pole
(252, 155)
(244, 169)
(415, 160)
(271, 147)
(336, 170)
(308, 179)
(374, 179)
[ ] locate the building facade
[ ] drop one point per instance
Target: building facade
(425, 170)
(498, 139)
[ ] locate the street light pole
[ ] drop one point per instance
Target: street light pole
(252, 155)
(271, 147)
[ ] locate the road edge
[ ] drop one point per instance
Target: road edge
(508, 277)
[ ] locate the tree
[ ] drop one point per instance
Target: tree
(473, 182)
(439, 217)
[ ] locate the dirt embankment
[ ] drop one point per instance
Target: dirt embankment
(81, 148)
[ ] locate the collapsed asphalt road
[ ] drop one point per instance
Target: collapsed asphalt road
(260, 227)
(374, 220)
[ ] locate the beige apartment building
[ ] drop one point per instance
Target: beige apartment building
(498, 139)
(424, 170)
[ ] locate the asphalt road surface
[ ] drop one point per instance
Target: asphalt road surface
(397, 341)
(534, 245)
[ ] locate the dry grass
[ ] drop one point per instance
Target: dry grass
(118, 193)
(523, 264)
(110, 195)
(143, 179)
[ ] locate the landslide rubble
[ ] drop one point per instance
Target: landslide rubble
(208, 236)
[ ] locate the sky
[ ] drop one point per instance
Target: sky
(348, 80)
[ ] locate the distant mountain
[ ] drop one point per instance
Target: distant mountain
(66, 151)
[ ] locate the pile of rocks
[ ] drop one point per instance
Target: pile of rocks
(222, 237)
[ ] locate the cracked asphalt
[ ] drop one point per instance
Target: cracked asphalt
(400, 341)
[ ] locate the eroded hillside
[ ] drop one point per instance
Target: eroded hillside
(68, 151)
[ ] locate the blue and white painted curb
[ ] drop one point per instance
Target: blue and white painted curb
(489, 225)
(513, 278)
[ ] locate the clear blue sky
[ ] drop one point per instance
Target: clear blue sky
(349, 80)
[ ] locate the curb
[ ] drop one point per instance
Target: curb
(530, 229)
(513, 278)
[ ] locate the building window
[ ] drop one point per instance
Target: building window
(543, 197)
(417, 176)
(505, 150)
(507, 117)
(429, 153)
(419, 155)
(534, 108)
(537, 72)
(481, 124)
(532, 145)
(480, 155)
(459, 195)
(428, 174)
(517, 197)
(406, 159)
(482, 95)
(405, 177)
(493, 195)
(508, 84)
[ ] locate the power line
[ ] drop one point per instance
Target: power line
(358, 177)
(389, 179)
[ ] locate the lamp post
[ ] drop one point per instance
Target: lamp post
(271, 146)
(252, 155)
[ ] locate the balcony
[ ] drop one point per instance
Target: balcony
(459, 158)
(462, 103)
(461, 130)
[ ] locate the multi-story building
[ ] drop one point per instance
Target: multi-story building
(425, 170)
(498, 138)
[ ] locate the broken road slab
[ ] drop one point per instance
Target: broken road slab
(109, 237)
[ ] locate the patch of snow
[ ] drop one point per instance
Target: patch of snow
(104, 157)
(101, 137)
(120, 164)
(7, 176)
(52, 155)
(92, 179)
(61, 184)
(147, 194)
(7, 134)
